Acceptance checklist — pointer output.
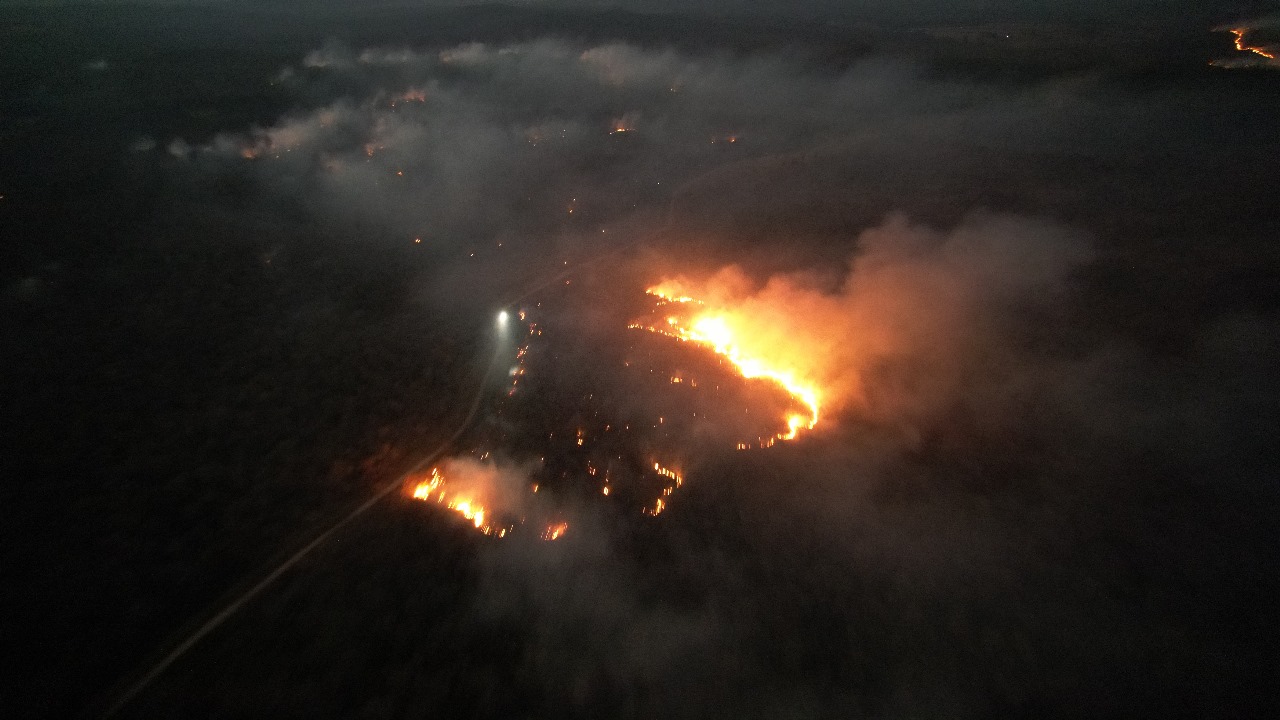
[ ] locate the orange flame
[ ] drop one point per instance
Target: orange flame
(474, 506)
(727, 333)
(669, 474)
(676, 481)
(434, 489)
(1242, 47)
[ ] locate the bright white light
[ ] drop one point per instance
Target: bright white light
(502, 317)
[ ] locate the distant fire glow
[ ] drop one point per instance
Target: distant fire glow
(730, 335)
(1242, 46)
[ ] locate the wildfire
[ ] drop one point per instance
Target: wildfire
(435, 489)
(669, 474)
(624, 124)
(728, 335)
(1242, 47)
(676, 481)
(471, 504)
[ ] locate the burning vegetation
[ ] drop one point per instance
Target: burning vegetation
(436, 489)
(1243, 46)
(728, 335)
(609, 416)
(1254, 44)
(615, 398)
(494, 498)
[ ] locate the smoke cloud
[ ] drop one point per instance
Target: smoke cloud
(902, 332)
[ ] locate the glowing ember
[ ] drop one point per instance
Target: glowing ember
(676, 481)
(624, 124)
(669, 474)
(555, 532)
(726, 333)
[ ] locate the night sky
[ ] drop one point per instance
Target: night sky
(253, 260)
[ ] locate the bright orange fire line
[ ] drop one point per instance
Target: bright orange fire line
(711, 331)
(1239, 33)
(672, 298)
(435, 489)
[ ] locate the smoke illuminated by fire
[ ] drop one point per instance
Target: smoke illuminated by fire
(894, 336)
(892, 341)
(435, 489)
(491, 498)
(734, 336)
